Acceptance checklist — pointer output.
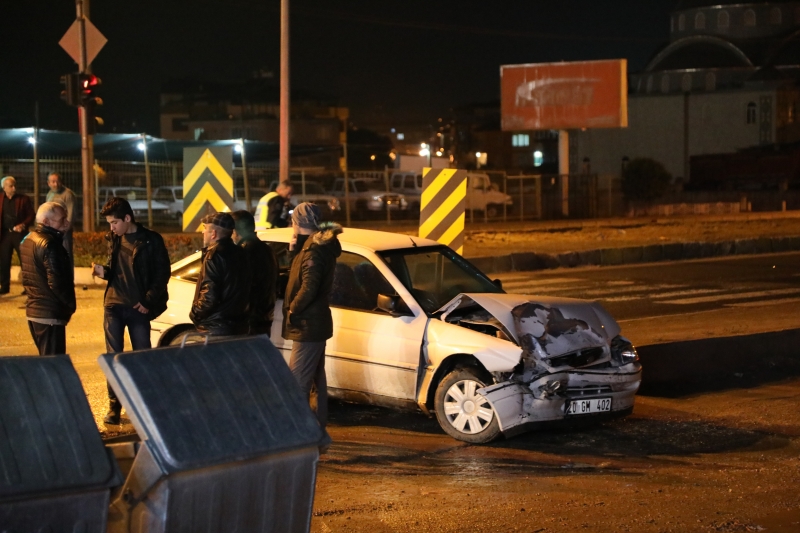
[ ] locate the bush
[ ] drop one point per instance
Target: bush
(91, 248)
(644, 180)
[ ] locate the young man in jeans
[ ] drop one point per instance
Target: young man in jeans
(137, 272)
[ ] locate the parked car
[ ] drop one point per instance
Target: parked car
(137, 197)
(172, 197)
(368, 195)
(415, 324)
(482, 194)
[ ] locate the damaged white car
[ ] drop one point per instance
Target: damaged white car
(415, 324)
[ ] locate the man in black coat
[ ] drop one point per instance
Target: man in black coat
(48, 278)
(307, 320)
(222, 294)
(16, 214)
(137, 272)
(264, 271)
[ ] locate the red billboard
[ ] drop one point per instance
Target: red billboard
(560, 96)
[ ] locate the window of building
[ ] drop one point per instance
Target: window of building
(711, 81)
(682, 22)
(700, 21)
(686, 83)
(775, 15)
(723, 20)
(520, 139)
(665, 83)
(401, 136)
(749, 18)
(751, 113)
(538, 158)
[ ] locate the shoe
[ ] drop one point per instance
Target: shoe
(112, 417)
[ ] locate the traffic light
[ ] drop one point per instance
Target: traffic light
(70, 93)
(88, 86)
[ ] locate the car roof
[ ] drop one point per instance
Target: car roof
(370, 239)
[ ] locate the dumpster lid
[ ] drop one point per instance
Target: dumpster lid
(206, 404)
(48, 438)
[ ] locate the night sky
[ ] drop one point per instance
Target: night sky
(404, 62)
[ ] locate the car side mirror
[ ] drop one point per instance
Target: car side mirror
(394, 305)
(498, 283)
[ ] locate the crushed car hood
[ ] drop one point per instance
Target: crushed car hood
(554, 326)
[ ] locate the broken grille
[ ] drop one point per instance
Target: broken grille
(578, 359)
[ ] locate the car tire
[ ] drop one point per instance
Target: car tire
(493, 211)
(176, 339)
(463, 414)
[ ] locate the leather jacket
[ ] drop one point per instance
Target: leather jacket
(222, 295)
(264, 271)
(306, 311)
(151, 268)
(47, 275)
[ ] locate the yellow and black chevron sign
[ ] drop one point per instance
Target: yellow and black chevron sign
(207, 186)
(441, 216)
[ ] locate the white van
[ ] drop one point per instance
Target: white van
(482, 194)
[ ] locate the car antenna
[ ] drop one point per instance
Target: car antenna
(412, 242)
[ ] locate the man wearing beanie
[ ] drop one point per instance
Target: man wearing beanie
(307, 318)
(221, 297)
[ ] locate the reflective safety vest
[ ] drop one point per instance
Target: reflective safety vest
(262, 211)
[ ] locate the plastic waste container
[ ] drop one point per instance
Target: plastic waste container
(229, 443)
(55, 472)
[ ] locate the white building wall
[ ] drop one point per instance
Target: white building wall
(717, 124)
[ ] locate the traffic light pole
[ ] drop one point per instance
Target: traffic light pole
(82, 8)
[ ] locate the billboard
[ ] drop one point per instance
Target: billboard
(560, 96)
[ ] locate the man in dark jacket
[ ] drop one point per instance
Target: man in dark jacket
(137, 272)
(263, 268)
(222, 294)
(16, 214)
(48, 278)
(307, 318)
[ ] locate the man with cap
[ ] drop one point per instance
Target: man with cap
(307, 318)
(263, 268)
(16, 214)
(137, 272)
(222, 294)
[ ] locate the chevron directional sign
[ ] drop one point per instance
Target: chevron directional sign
(207, 184)
(441, 217)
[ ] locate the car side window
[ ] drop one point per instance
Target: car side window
(409, 182)
(357, 283)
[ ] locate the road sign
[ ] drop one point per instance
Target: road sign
(95, 41)
(207, 186)
(442, 205)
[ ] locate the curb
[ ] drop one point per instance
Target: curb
(527, 261)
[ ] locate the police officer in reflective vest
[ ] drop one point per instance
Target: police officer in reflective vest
(273, 208)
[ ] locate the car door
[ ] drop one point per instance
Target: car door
(371, 351)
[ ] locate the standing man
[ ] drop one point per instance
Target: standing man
(60, 193)
(263, 268)
(48, 278)
(222, 294)
(137, 272)
(307, 318)
(16, 214)
(273, 208)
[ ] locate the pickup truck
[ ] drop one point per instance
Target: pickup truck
(482, 194)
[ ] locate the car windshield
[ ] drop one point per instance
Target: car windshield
(130, 194)
(311, 188)
(435, 275)
(376, 186)
(178, 193)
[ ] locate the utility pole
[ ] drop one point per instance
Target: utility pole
(283, 163)
(81, 8)
(148, 182)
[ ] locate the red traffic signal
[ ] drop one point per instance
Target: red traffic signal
(88, 84)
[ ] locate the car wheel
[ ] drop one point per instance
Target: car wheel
(464, 414)
(177, 338)
(492, 211)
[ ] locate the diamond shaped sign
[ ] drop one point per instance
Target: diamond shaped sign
(94, 42)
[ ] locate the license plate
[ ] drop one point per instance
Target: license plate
(585, 407)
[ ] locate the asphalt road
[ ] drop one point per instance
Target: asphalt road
(718, 458)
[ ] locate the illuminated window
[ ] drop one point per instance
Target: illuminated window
(401, 136)
(699, 21)
(520, 139)
(538, 158)
(751, 113)
(723, 20)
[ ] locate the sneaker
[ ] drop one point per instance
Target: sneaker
(112, 417)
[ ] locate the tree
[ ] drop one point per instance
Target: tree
(644, 180)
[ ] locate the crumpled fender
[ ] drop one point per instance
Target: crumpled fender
(444, 340)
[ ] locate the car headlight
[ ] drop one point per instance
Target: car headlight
(333, 204)
(623, 351)
(378, 198)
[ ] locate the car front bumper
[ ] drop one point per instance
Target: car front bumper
(519, 404)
